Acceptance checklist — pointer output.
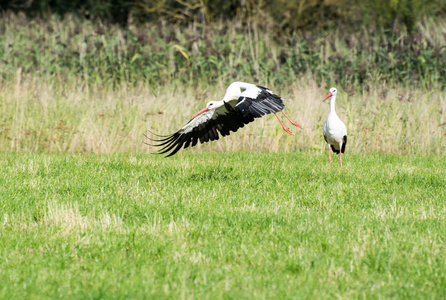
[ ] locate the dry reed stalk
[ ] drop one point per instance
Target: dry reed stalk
(71, 117)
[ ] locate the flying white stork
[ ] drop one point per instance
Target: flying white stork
(335, 132)
(242, 103)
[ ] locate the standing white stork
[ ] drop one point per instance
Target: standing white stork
(242, 103)
(335, 132)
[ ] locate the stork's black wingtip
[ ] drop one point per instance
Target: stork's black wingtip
(160, 153)
(157, 153)
(171, 154)
(159, 135)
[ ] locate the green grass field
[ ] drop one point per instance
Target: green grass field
(234, 225)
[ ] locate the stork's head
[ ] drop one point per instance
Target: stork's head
(213, 104)
(333, 92)
(209, 106)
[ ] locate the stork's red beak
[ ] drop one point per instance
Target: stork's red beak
(200, 112)
(328, 96)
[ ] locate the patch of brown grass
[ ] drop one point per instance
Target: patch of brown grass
(74, 117)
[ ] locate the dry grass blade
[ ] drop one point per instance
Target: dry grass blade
(47, 117)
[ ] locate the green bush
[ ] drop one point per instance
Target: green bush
(286, 14)
(160, 53)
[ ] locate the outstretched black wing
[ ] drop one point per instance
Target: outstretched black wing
(204, 128)
(259, 101)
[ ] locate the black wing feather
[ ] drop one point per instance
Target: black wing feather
(344, 143)
(209, 131)
(264, 103)
(334, 150)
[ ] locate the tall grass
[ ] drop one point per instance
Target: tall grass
(75, 117)
(69, 85)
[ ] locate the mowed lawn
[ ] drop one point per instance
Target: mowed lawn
(234, 225)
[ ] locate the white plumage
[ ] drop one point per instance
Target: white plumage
(335, 132)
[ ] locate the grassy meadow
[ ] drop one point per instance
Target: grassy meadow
(87, 212)
(208, 226)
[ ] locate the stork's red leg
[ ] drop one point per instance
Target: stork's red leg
(283, 126)
(292, 122)
(340, 158)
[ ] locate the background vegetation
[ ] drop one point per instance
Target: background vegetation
(70, 84)
(339, 42)
(292, 14)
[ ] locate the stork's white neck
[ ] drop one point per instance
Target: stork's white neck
(235, 89)
(242, 85)
(332, 105)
